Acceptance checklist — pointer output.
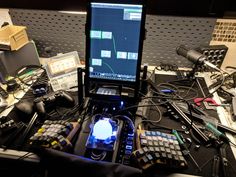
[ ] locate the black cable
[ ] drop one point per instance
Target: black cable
(160, 97)
(178, 88)
(189, 88)
(137, 106)
(153, 122)
(174, 96)
(157, 108)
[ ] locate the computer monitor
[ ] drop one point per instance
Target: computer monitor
(114, 41)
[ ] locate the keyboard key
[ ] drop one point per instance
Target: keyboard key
(139, 152)
(177, 147)
(149, 157)
(154, 138)
(147, 133)
(128, 147)
(157, 149)
(128, 152)
(130, 138)
(153, 133)
(178, 153)
(142, 135)
(144, 160)
(157, 155)
(173, 153)
(166, 144)
(163, 155)
(172, 147)
(145, 149)
(129, 143)
(158, 133)
(162, 149)
(151, 149)
(181, 158)
(155, 143)
(164, 135)
(161, 143)
(168, 150)
(169, 156)
(143, 142)
(150, 143)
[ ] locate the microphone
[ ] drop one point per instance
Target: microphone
(194, 56)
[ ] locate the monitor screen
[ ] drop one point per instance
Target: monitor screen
(114, 36)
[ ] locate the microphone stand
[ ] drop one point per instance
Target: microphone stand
(190, 77)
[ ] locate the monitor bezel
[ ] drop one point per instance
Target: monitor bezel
(132, 84)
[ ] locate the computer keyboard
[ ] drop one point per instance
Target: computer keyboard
(156, 148)
(52, 134)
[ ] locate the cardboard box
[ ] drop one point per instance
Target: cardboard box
(13, 37)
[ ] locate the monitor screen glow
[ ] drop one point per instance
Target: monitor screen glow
(114, 41)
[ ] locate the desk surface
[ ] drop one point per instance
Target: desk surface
(14, 154)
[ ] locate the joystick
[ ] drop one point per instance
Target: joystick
(58, 98)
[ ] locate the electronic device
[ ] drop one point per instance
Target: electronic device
(103, 140)
(214, 54)
(62, 71)
(58, 98)
(110, 138)
(52, 134)
(156, 148)
(114, 42)
(105, 137)
(195, 57)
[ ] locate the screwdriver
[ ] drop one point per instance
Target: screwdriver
(185, 148)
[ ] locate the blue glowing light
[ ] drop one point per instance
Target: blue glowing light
(121, 103)
(102, 129)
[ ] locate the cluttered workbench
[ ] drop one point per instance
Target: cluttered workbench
(109, 114)
(153, 115)
(185, 118)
